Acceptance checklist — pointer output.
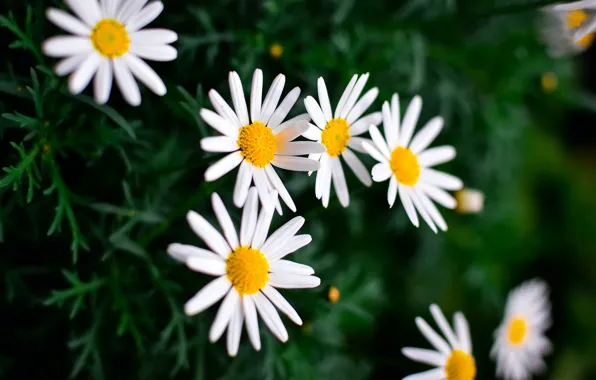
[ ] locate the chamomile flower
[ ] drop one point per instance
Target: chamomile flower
(520, 341)
(108, 42)
(259, 143)
(249, 266)
(407, 163)
(339, 132)
(567, 28)
(453, 358)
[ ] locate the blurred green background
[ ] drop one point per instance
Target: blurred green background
(92, 195)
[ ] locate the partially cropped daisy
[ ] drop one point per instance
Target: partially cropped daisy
(249, 266)
(259, 142)
(407, 163)
(452, 358)
(108, 42)
(520, 341)
(567, 28)
(339, 132)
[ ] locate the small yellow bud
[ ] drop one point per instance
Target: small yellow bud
(276, 50)
(549, 82)
(333, 294)
(469, 201)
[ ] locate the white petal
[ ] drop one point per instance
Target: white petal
(431, 357)
(109, 8)
(256, 97)
(574, 5)
(444, 325)
(68, 65)
(436, 156)
(281, 235)
(161, 53)
(299, 164)
(339, 182)
(243, 180)
(390, 126)
(249, 217)
(285, 266)
(103, 81)
(223, 166)
(431, 374)
(463, 332)
(406, 200)
(324, 170)
(262, 226)
(270, 316)
(260, 179)
(129, 9)
(67, 22)
(126, 82)
(440, 179)
(146, 16)
(82, 76)
(438, 195)
(208, 234)
(252, 323)
(299, 122)
(224, 220)
(183, 252)
(370, 149)
(324, 99)
(432, 337)
(210, 294)
(345, 95)
(357, 167)
(291, 245)
(357, 143)
(234, 332)
(279, 186)
(392, 192)
(213, 265)
(282, 304)
(290, 132)
(293, 281)
(284, 108)
(354, 95)
(362, 125)
(297, 148)
(381, 172)
(156, 37)
(65, 46)
(218, 123)
(362, 105)
(326, 185)
(316, 157)
(315, 112)
(238, 98)
(219, 144)
(225, 313)
(272, 98)
(422, 210)
(431, 209)
(313, 133)
(426, 135)
(395, 116)
(86, 10)
(223, 109)
(410, 120)
(379, 141)
(145, 74)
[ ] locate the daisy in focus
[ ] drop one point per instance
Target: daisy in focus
(108, 42)
(520, 341)
(567, 28)
(249, 266)
(339, 132)
(407, 163)
(259, 143)
(453, 358)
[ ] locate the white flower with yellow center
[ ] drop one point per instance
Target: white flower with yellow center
(453, 358)
(249, 266)
(338, 133)
(259, 143)
(520, 341)
(108, 42)
(407, 163)
(567, 28)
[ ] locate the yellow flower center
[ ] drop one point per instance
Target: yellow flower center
(518, 329)
(336, 135)
(247, 269)
(110, 38)
(575, 19)
(257, 144)
(460, 366)
(404, 165)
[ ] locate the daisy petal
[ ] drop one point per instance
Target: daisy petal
(234, 332)
(126, 82)
(410, 120)
(430, 357)
(109, 8)
(183, 252)
(146, 16)
(262, 226)
(66, 46)
(249, 218)
(210, 294)
(299, 164)
(439, 195)
(432, 210)
(395, 117)
(436, 156)
(293, 281)
(155, 37)
(463, 332)
(444, 325)
(256, 97)
(345, 95)
(381, 172)
(282, 234)
(67, 22)
(290, 246)
(261, 183)
(225, 313)
(357, 143)
(357, 167)
(354, 95)
(213, 266)
(392, 192)
(270, 316)
(129, 9)
(406, 200)
(432, 337)
(145, 74)
(325, 169)
(574, 5)
(272, 98)
(223, 166)
(363, 104)
(298, 148)
(219, 144)
(252, 323)
(160, 53)
(315, 112)
(379, 141)
(440, 179)
(223, 109)
(422, 210)
(282, 304)
(224, 220)
(431, 374)
(362, 125)
(285, 266)
(279, 186)
(238, 98)
(284, 108)
(87, 10)
(70, 64)
(326, 186)
(218, 123)
(83, 74)
(312, 133)
(243, 180)
(103, 81)
(426, 135)
(292, 123)
(324, 99)
(208, 234)
(339, 182)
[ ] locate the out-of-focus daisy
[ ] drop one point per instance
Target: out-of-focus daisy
(453, 358)
(520, 341)
(339, 132)
(108, 41)
(259, 143)
(567, 28)
(249, 266)
(407, 163)
(469, 201)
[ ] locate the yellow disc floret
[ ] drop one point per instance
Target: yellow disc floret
(335, 136)
(405, 167)
(257, 144)
(460, 366)
(247, 269)
(110, 38)
(517, 330)
(575, 19)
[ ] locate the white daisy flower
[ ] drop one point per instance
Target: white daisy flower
(453, 358)
(520, 341)
(108, 42)
(339, 132)
(568, 29)
(249, 267)
(259, 143)
(407, 163)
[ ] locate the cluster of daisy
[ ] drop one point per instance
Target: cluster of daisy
(109, 42)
